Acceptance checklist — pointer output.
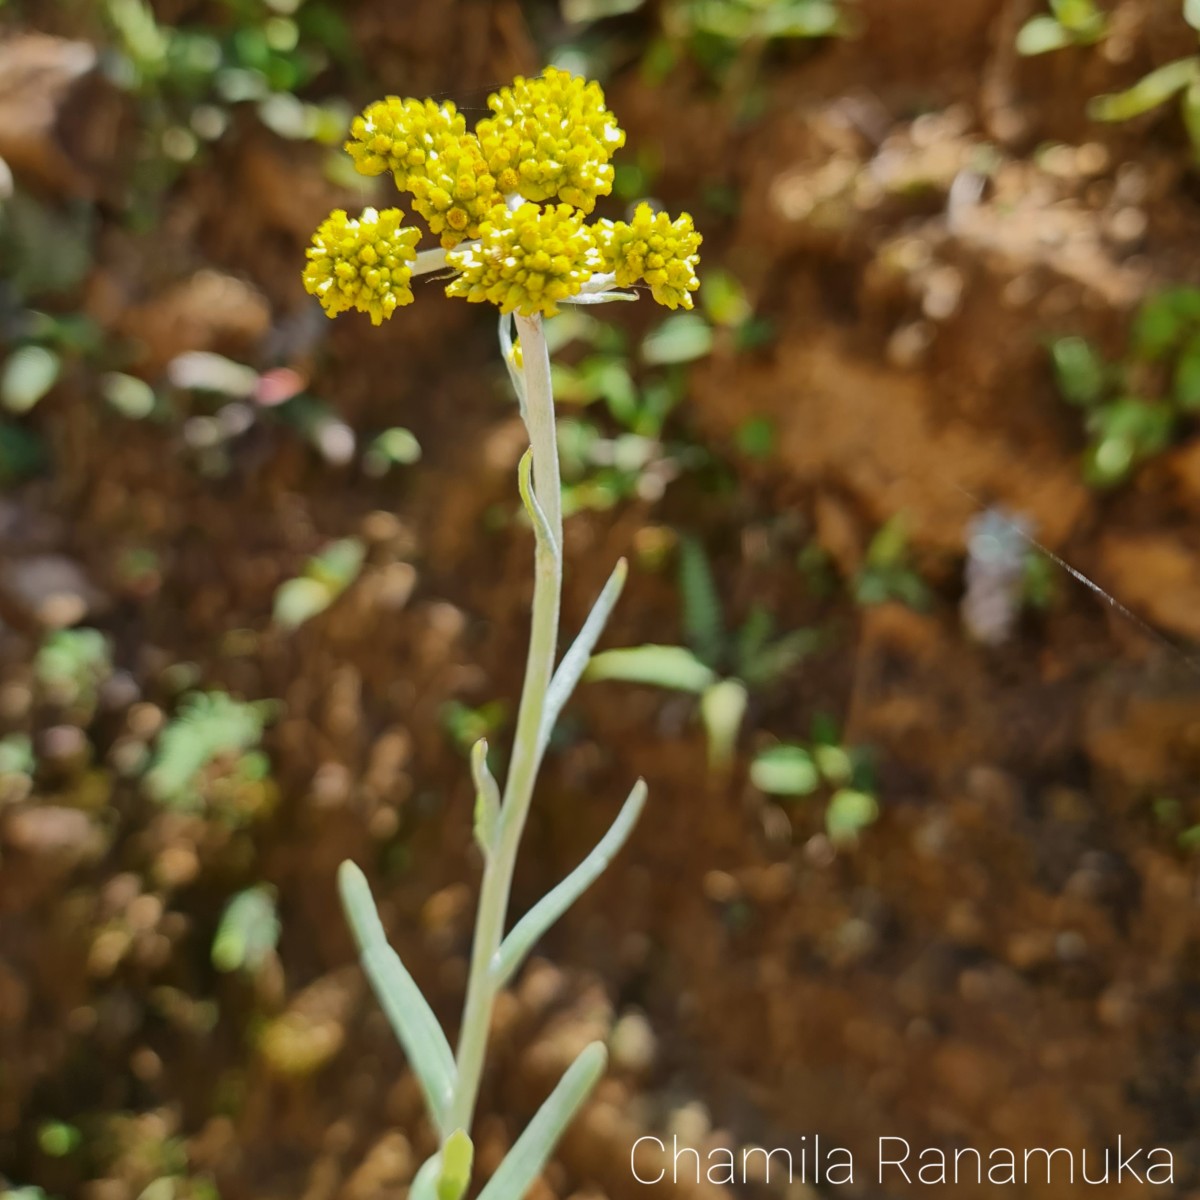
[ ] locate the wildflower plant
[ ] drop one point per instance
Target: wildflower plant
(509, 204)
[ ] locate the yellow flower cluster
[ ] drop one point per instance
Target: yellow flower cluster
(526, 261)
(403, 136)
(656, 250)
(548, 142)
(363, 264)
(551, 136)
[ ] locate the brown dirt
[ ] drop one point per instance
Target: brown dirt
(1010, 956)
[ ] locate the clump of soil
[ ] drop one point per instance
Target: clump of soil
(1007, 957)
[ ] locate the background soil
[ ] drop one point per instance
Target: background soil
(1009, 956)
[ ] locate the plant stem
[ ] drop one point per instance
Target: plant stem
(526, 754)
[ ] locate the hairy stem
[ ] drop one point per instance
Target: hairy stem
(482, 983)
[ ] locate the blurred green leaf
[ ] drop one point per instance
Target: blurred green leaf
(248, 931)
(703, 619)
(1149, 92)
(29, 373)
(660, 666)
(722, 709)
(130, 396)
(682, 337)
(1191, 13)
(849, 812)
(1186, 385)
(785, 770)
(299, 600)
(1081, 373)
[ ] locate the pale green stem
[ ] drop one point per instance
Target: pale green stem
(482, 983)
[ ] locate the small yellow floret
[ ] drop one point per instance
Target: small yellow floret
(653, 249)
(365, 264)
(551, 137)
(403, 136)
(526, 260)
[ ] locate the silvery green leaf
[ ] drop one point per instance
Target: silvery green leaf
(576, 658)
(411, 1017)
(524, 1162)
(1191, 13)
(722, 707)
(1149, 92)
(598, 297)
(534, 924)
(661, 666)
(425, 1185)
(487, 798)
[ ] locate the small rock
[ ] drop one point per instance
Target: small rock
(52, 589)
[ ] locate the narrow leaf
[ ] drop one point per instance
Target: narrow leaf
(722, 708)
(546, 544)
(487, 798)
(518, 1172)
(508, 353)
(660, 666)
(425, 1185)
(575, 660)
(1149, 92)
(410, 1015)
(534, 924)
(703, 622)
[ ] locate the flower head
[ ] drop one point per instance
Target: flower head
(403, 136)
(363, 263)
(507, 202)
(526, 259)
(654, 249)
(551, 137)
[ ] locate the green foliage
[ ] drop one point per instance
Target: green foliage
(887, 574)
(719, 667)
(466, 725)
(1068, 23)
(248, 931)
(70, 666)
(57, 1139)
(189, 79)
(325, 577)
(207, 758)
(1082, 23)
(1135, 407)
(793, 770)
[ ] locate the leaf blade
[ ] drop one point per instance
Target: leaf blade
(535, 923)
(416, 1028)
(575, 661)
(671, 667)
(524, 1162)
